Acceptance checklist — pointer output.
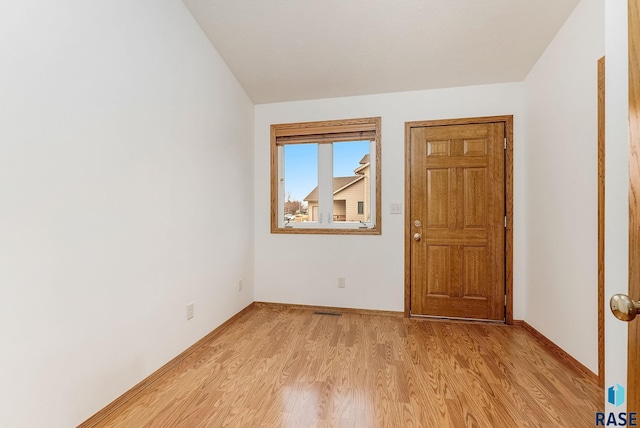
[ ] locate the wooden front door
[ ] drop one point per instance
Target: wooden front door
(457, 220)
(633, 364)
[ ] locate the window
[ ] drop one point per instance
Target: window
(325, 177)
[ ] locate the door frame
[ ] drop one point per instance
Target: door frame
(633, 338)
(508, 198)
(601, 214)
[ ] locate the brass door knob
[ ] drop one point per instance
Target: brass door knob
(623, 307)
(417, 237)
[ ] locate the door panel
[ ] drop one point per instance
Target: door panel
(437, 148)
(457, 220)
(475, 147)
(438, 269)
(438, 182)
(474, 208)
(475, 263)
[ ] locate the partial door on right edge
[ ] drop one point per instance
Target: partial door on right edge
(457, 220)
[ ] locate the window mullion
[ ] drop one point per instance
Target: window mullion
(372, 183)
(325, 183)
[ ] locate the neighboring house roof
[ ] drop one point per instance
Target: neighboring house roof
(361, 168)
(365, 159)
(339, 184)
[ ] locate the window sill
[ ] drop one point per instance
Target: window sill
(319, 231)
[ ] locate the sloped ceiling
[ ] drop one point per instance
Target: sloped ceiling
(285, 50)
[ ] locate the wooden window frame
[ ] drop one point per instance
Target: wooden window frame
(325, 132)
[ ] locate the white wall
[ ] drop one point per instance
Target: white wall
(561, 186)
(303, 269)
(616, 191)
(125, 193)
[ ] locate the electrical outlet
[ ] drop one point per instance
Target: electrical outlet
(190, 311)
(240, 285)
(341, 282)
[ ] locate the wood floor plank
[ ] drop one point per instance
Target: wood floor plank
(288, 367)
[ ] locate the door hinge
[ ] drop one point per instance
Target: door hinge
(505, 222)
(505, 300)
(505, 144)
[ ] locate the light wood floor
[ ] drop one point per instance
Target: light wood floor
(289, 367)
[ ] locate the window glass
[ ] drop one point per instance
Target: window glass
(351, 181)
(300, 182)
